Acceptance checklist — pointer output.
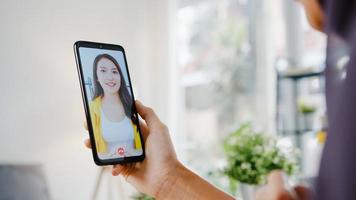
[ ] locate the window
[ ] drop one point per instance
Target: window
(217, 74)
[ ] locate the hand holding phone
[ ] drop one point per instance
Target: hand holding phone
(161, 161)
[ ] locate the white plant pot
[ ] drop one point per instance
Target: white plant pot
(248, 191)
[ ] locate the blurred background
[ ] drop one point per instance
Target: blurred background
(205, 66)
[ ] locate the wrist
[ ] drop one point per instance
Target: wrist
(177, 172)
(182, 183)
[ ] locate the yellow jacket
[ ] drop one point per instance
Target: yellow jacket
(95, 112)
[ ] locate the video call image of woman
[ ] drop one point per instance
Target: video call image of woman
(114, 125)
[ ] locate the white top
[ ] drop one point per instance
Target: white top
(117, 134)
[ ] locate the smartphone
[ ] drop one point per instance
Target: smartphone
(108, 98)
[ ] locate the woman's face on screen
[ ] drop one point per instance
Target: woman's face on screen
(108, 76)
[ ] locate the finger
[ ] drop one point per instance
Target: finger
(85, 125)
(147, 114)
(124, 170)
(87, 143)
(303, 192)
(128, 170)
(144, 130)
(117, 169)
(275, 179)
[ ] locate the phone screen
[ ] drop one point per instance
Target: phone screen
(109, 103)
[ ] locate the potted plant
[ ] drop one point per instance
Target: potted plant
(307, 109)
(142, 196)
(251, 156)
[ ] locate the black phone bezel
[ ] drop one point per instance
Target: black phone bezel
(97, 160)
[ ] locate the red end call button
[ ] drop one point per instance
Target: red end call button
(121, 151)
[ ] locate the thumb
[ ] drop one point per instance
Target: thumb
(147, 114)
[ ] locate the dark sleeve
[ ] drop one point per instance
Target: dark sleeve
(337, 177)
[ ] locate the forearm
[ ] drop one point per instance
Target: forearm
(184, 184)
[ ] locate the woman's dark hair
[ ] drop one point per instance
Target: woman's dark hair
(124, 94)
